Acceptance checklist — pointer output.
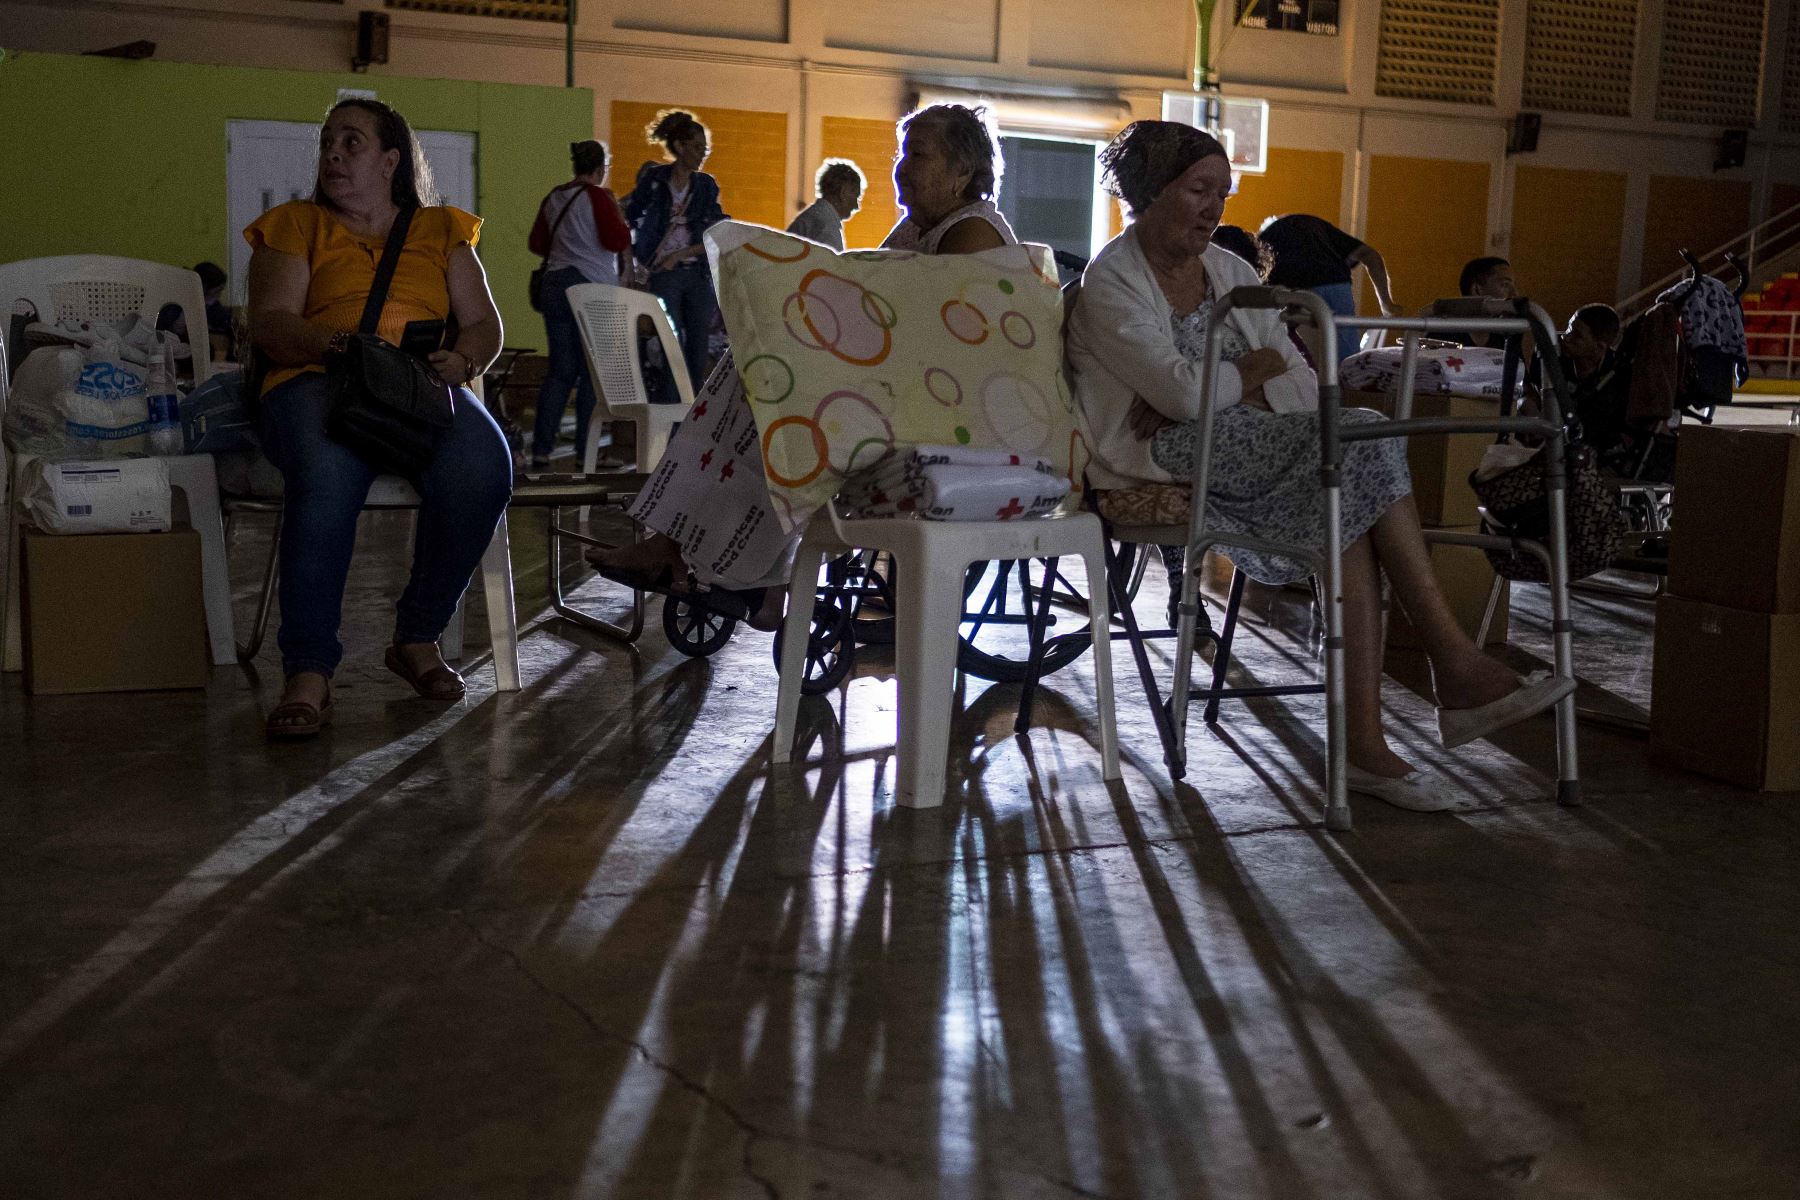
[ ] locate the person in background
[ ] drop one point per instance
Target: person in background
(1244, 244)
(218, 313)
(1490, 277)
(221, 336)
(1312, 253)
(839, 185)
(1599, 386)
(312, 266)
(578, 245)
(673, 204)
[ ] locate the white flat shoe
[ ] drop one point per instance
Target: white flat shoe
(1540, 690)
(1414, 791)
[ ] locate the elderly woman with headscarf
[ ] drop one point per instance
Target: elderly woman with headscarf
(1136, 343)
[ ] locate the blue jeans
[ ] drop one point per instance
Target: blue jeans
(568, 368)
(1342, 299)
(463, 495)
(687, 292)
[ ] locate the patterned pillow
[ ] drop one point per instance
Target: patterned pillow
(847, 357)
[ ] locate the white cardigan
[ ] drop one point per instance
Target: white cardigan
(1121, 345)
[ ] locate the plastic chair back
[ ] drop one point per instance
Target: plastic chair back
(608, 317)
(103, 287)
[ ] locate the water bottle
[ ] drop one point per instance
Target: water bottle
(163, 434)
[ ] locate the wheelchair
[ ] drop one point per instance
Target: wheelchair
(854, 605)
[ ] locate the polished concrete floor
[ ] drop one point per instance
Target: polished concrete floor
(585, 941)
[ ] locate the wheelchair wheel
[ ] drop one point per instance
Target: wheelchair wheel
(994, 641)
(871, 584)
(830, 646)
(695, 631)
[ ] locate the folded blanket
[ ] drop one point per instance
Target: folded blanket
(946, 483)
(962, 456)
(1475, 371)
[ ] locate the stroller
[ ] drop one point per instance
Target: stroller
(1682, 357)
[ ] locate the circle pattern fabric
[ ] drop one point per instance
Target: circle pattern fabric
(848, 358)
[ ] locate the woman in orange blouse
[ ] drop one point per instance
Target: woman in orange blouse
(311, 269)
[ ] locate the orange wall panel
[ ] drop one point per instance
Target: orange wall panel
(749, 156)
(1298, 181)
(870, 144)
(1427, 217)
(1697, 214)
(1566, 233)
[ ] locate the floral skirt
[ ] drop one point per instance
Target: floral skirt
(1264, 481)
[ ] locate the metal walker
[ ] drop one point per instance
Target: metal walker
(1476, 315)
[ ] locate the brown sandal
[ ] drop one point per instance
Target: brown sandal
(296, 719)
(438, 683)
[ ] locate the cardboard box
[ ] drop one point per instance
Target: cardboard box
(1466, 577)
(1725, 695)
(1736, 537)
(1441, 463)
(112, 612)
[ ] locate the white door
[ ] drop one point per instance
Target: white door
(271, 162)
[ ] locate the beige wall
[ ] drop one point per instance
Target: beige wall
(819, 63)
(1426, 219)
(1566, 230)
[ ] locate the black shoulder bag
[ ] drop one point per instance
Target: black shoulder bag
(386, 405)
(534, 286)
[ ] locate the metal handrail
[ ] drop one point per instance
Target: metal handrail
(1747, 242)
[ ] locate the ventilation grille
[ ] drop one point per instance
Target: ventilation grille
(1711, 62)
(518, 10)
(1578, 55)
(90, 301)
(1438, 50)
(1790, 75)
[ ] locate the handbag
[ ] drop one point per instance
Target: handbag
(1517, 501)
(388, 407)
(534, 286)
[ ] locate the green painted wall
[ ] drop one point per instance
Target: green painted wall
(105, 156)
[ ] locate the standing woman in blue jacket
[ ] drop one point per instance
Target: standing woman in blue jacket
(672, 205)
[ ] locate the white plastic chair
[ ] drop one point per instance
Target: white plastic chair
(607, 317)
(392, 492)
(105, 287)
(930, 559)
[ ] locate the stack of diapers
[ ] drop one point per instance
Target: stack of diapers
(955, 483)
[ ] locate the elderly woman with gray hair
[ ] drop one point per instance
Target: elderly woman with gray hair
(1136, 343)
(946, 174)
(839, 185)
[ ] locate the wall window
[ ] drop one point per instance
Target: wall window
(1051, 194)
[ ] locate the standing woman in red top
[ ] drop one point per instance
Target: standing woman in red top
(580, 234)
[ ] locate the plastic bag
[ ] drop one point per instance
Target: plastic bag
(122, 496)
(1500, 458)
(68, 402)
